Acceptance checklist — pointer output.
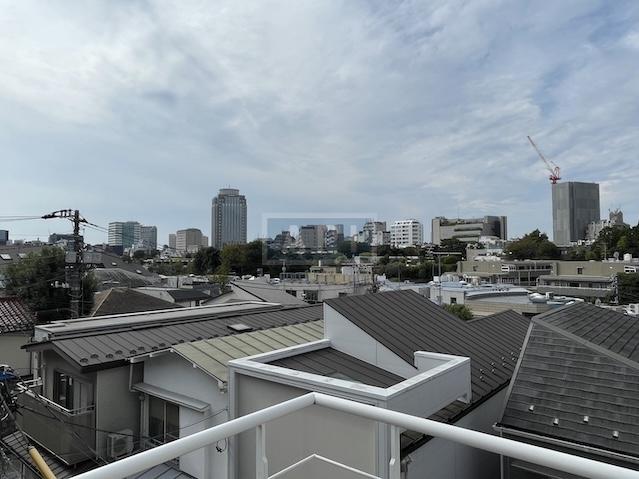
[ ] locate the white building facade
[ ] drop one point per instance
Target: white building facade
(406, 233)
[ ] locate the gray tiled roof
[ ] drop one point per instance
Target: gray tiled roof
(127, 300)
(332, 363)
(93, 349)
(188, 294)
(579, 361)
(15, 316)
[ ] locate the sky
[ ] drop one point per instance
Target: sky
(142, 110)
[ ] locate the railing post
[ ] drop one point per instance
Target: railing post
(394, 465)
(261, 462)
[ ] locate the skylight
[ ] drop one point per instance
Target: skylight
(240, 327)
(5, 256)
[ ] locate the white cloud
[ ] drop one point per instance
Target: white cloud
(411, 109)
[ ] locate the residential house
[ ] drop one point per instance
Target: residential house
(189, 383)
(256, 290)
(16, 329)
(396, 350)
(575, 389)
(180, 296)
(83, 406)
(127, 300)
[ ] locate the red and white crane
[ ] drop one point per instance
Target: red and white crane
(550, 166)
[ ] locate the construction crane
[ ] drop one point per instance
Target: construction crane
(550, 166)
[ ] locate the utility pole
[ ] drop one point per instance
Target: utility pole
(439, 265)
(74, 264)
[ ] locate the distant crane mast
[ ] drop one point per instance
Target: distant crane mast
(550, 166)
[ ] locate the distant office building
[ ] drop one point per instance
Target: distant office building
(312, 237)
(468, 230)
(188, 240)
(172, 241)
(4, 237)
(124, 233)
(574, 206)
(228, 218)
(149, 237)
(374, 233)
(282, 241)
(205, 241)
(57, 237)
(405, 233)
(615, 220)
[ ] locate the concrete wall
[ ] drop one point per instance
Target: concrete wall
(332, 434)
(440, 459)
(11, 354)
(175, 374)
(116, 407)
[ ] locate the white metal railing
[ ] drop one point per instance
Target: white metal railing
(560, 461)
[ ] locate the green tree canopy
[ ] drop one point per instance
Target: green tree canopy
(460, 310)
(534, 245)
(33, 279)
(206, 261)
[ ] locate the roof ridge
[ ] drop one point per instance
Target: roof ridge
(590, 345)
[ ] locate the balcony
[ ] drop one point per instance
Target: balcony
(68, 434)
(315, 466)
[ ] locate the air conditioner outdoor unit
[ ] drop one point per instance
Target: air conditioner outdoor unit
(120, 443)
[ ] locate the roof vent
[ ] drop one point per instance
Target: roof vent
(555, 422)
(531, 408)
(615, 434)
(586, 419)
(240, 327)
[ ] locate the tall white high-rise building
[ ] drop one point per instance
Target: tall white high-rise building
(228, 218)
(405, 233)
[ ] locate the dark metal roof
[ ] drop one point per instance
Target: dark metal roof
(266, 292)
(579, 361)
(15, 316)
(336, 364)
(93, 349)
(188, 295)
(405, 322)
(126, 300)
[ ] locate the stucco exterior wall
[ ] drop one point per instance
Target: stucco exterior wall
(440, 459)
(314, 430)
(175, 374)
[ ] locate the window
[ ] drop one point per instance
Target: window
(453, 300)
(63, 389)
(164, 420)
(70, 393)
(580, 271)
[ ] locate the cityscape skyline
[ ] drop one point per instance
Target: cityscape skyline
(407, 111)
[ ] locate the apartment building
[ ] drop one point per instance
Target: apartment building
(228, 218)
(406, 233)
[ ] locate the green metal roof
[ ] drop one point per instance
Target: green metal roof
(213, 355)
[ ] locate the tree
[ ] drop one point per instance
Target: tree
(222, 277)
(233, 257)
(534, 245)
(206, 261)
(628, 284)
(460, 310)
(33, 279)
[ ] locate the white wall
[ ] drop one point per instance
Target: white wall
(175, 374)
(440, 459)
(11, 354)
(332, 434)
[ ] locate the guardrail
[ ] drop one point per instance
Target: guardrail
(560, 461)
